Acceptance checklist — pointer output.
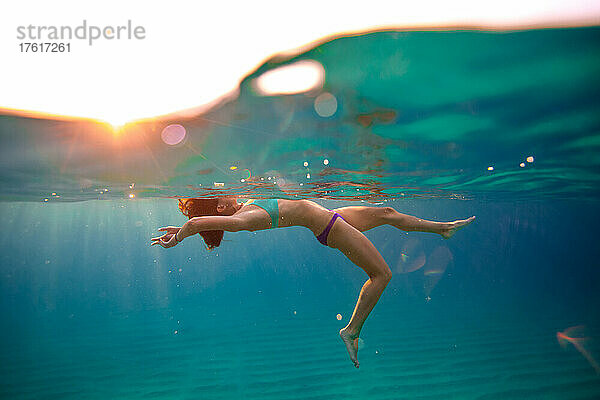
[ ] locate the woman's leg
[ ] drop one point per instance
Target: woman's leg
(361, 252)
(365, 218)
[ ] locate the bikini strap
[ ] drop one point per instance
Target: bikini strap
(323, 235)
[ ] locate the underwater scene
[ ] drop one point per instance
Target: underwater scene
(439, 124)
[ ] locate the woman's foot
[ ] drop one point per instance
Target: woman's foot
(452, 227)
(351, 342)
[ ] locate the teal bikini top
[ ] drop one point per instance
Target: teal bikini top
(271, 207)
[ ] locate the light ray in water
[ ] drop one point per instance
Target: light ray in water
(576, 336)
(197, 152)
(153, 158)
(241, 128)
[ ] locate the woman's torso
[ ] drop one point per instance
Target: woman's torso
(291, 213)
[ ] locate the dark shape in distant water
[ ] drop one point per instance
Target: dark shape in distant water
(575, 335)
(385, 116)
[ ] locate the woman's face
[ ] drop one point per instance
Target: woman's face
(227, 206)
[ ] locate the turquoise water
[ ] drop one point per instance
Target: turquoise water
(89, 310)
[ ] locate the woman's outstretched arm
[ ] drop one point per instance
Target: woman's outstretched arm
(250, 220)
(175, 234)
(213, 223)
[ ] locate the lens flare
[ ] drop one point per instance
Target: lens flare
(326, 105)
(436, 266)
(173, 134)
(287, 186)
(411, 258)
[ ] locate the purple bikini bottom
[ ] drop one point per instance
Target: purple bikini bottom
(323, 235)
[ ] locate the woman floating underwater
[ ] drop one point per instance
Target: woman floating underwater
(340, 229)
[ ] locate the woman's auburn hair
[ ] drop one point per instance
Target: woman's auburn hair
(195, 207)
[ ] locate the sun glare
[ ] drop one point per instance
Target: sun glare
(166, 76)
(117, 123)
(301, 76)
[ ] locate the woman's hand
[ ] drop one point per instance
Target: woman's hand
(168, 239)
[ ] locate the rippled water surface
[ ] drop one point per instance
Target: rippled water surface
(443, 114)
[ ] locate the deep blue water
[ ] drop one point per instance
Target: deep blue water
(90, 311)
